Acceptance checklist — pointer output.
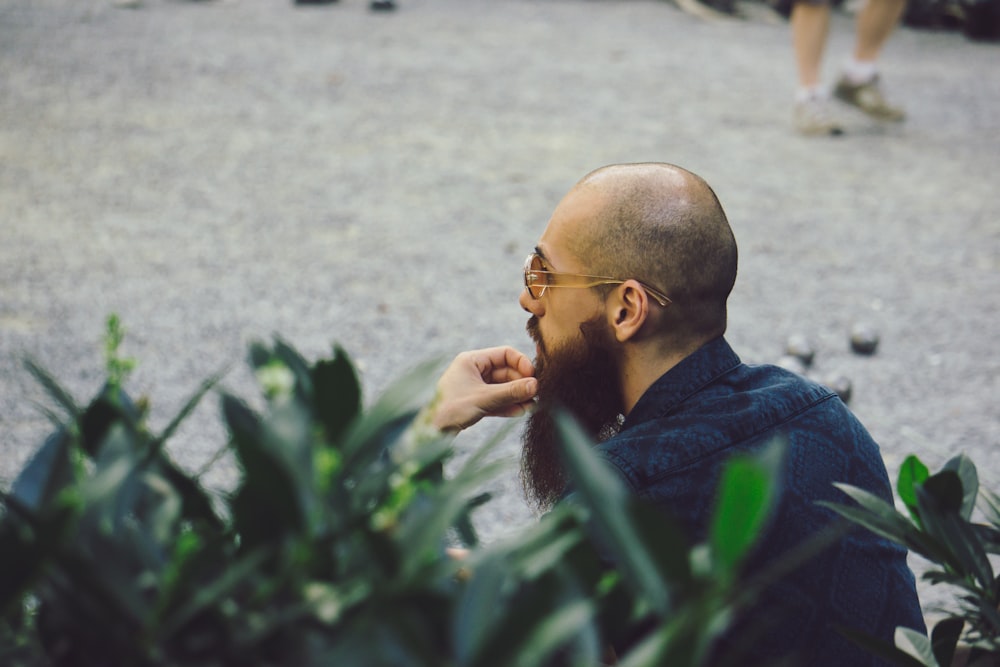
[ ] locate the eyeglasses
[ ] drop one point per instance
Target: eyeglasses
(537, 278)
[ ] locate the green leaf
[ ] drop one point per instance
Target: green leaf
(53, 388)
(565, 623)
(939, 509)
(237, 573)
(184, 550)
(411, 632)
(539, 548)
(882, 518)
(886, 522)
(97, 420)
(266, 506)
(989, 537)
(158, 511)
(425, 524)
(480, 604)
(522, 630)
(746, 497)
(27, 545)
(287, 431)
(965, 469)
(988, 617)
(876, 515)
(186, 411)
(916, 644)
(109, 493)
(665, 541)
(49, 471)
(21, 560)
(983, 656)
(648, 652)
(911, 473)
(259, 355)
(935, 576)
(989, 505)
(117, 367)
(99, 577)
(500, 606)
(295, 362)
(894, 654)
(196, 505)
(337, 395)
(608, 501)
(194, 560)
(946, 489)
(682, 639)
(464, 528)
(368, 437)
(944, 639)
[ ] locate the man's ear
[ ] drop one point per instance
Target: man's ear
(628, 309)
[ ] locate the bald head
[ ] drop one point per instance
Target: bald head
(663, 225)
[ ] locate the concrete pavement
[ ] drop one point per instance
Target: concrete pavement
(216, 172)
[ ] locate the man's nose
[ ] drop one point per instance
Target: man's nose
(529, 304)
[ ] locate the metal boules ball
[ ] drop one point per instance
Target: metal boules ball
(793, 364)
(841, 385)
(864, 338)
(801, 348)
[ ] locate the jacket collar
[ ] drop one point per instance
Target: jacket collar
(710, 361)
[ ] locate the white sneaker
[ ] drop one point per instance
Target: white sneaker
(813, 116)
(869, 98)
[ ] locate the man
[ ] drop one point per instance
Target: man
(627, 293)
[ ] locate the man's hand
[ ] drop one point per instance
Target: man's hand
(495, 382)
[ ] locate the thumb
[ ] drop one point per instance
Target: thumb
(524, 389)
(511, 394)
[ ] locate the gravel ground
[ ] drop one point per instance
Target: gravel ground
(218, 172)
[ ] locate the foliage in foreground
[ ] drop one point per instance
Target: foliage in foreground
(939, 526)
(331, 549)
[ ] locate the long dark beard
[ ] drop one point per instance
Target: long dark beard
(580, 378)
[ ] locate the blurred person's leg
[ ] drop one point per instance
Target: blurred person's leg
(810, 23)
(859, 84)
(810, 27)
(875, 22)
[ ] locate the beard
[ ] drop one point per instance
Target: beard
(581, 378)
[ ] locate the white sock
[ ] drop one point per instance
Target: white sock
(860, 71)
(806, 93)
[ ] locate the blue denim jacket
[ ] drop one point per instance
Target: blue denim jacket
(670, 451)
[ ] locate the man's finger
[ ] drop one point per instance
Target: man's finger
(505, 374)
(512, 395)
(503, 364)
(492, 359)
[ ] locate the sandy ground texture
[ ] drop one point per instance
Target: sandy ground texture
(218, 172)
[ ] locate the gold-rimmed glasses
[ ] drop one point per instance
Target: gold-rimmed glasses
(537, 279)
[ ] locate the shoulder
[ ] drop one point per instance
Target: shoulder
(741, 410)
